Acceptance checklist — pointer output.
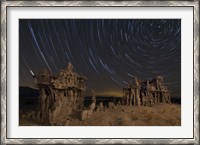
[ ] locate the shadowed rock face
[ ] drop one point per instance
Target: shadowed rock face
(146, 92)
(59, 95)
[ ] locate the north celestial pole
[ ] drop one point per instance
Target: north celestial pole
(109, 52)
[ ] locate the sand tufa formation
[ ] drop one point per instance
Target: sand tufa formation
(62, 96)
(59, 95)
(146, 93)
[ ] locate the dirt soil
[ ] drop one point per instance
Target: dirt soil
(158, 115)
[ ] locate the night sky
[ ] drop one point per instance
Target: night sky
(109, 52)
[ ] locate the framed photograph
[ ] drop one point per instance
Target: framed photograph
(100, 72)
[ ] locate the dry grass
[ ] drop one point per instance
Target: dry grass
(172, 122)
(159, 115)
(149, 117)
(163, 111)
(134, 117)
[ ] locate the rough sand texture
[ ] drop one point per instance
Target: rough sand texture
(158, 115)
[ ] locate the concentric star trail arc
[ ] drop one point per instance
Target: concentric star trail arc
(109, 52)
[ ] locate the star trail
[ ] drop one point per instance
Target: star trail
(109, 52)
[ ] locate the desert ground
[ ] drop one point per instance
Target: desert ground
(158, 115)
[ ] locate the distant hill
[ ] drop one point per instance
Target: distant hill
(28, 92)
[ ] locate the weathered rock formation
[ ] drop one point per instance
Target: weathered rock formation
(146, 93)
(59, 95)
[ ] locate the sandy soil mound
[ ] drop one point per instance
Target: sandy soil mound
(158, 115)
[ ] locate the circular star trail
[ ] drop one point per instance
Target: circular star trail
(109, 52)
